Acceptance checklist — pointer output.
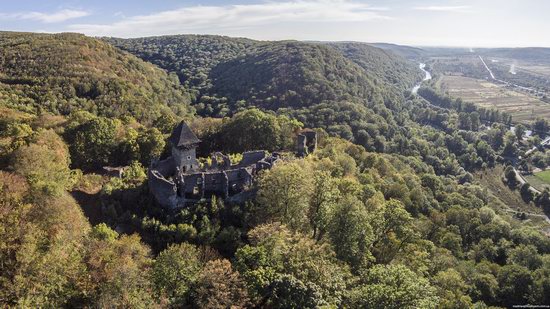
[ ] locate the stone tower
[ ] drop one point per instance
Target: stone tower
(184, 144)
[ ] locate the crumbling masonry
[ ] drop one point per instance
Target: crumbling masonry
(179, 179)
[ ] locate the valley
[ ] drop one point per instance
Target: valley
(486, 78)
(208, 171)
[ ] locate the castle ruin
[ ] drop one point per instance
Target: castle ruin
(179, 179)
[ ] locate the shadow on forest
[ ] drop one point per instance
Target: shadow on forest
(90, 205)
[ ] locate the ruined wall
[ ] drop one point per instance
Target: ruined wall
(251, 158)
(306, 143)
(238, 179)
(193, 186)
(166, 167)
(215, 184)
(163, 189)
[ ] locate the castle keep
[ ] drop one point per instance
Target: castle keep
(179, 179)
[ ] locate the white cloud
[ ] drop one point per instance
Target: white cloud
(437, 8)
(56, 17)
(217, 19)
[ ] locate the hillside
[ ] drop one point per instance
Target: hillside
(66, 72)
(401, 50)
(343, 88)
(387, 214)
(528, 54)
(272, 74)
(351, 90)
(383, 62)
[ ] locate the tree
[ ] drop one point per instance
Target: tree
(45, 164)
(525, 191)
(151, 144)
(392, 228)
(540, 293)
(275, 251)
(486, 287)
(351, 234)
(218, 286)
(254, 129)
(520, 132)
(543, 200)
(452, 290)
(510, 175)
(526, 256)
(284, 194)
(40, 247)
(515, 282)
(540, 126)
(93, 142)
(119, 272)
(289, 292)
(174, 271)
(392, 286)
(322, 203)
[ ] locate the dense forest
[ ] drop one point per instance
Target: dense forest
(386, 212)
(68, 72)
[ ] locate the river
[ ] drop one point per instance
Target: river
(428, 76)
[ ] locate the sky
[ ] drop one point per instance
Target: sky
(466, 23)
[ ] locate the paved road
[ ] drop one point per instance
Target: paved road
(487, 67)
(508, 83)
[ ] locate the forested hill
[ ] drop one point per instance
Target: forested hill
(387, 64)
(224, 71)
(61, 73)
(351, 90)
(408, 52)
(529, 54)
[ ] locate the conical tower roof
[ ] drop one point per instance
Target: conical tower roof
(182, 136)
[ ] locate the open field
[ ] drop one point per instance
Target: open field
(540, 180)
(536, 68)
(523, 108)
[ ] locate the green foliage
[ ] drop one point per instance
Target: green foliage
(278, 260)
(289, 292)
(253, 129)
(389, 216)
(45, 163)
(174, 271)
(92, 75)
(515, 282)
(218, 286)
(351, 233)
(103, 232)
(283, 195)
(392, 286)
(119, 273)
(92, 143)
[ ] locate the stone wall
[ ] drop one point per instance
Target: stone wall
(178, 179)
(164, 190)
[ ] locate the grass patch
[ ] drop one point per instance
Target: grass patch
(544, 176)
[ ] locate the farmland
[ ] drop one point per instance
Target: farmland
(522, 107)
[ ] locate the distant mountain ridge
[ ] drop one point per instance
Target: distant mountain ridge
(274, 74)
(401, 50)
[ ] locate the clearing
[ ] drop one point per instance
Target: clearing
(540, 180)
